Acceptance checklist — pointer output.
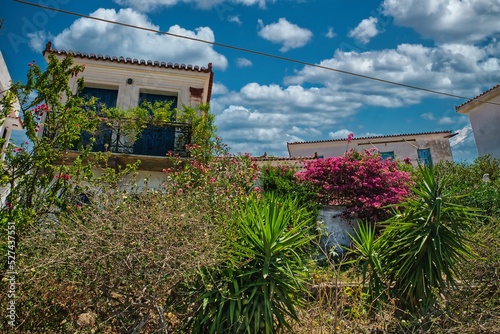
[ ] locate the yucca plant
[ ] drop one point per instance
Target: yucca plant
(259, 290)
(367, 257)
(423, 242)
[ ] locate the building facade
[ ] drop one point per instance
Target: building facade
(484, 116)
(9, 121)
(426, 148)
(124, 83)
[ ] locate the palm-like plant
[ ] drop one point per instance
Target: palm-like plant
(365, 248)
(258, 293)
(423, 243)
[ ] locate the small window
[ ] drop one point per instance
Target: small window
(158, 98)
(387, 155)
(424, 156)
(105, 97)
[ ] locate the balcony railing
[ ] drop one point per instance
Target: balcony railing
(152, 141)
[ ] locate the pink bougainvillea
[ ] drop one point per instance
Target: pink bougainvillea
(361, 181)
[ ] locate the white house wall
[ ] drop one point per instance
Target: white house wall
(485, 122)
(402, 147)
(145, 79)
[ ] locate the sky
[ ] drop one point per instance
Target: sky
(283, 91)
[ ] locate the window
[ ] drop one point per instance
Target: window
(105, 97)
(156, 140)
(157, 97)
(424, 156)
(387, 155)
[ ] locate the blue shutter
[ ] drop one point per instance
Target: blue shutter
(424, 156)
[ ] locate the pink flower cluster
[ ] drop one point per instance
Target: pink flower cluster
(39, 110)
(364, 182)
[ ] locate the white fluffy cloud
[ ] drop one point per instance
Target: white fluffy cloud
(366, 30)
(447, 20)
(315, 98)
(91, 36)
(330, 33)
(289, 35)
(243, 62)
(448, 68)
(270, 115)
(150, 5)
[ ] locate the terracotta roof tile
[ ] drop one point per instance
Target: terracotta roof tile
(477, 97)
(282, 158)
(373, 137)
(121, 59)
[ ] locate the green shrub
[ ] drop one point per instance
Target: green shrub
(258, 290)
(466, 179)
(424, 242)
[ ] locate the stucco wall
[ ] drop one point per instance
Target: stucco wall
(145, 79)
(485, 122)
(401, 146)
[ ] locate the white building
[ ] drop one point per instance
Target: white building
(8, 123)
(124, 83)
(12, 121)
(427, 147)
(484, 116)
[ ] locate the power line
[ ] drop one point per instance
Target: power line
(259, 53)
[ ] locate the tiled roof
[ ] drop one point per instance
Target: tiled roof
(281, 158)
(477, 97)
(374, 137)
(48, 48)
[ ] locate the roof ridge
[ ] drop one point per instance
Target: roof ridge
(127, 60)
(370, 137)
(476, 97)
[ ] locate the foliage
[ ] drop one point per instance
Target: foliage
(121, 257)
(281, 181)
(368, 257)
(221, 175)
(41, 183)
(258, 290)
(424, 242)
(467, 179)
(203, 127)
(362, 181)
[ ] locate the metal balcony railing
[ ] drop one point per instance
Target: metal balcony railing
(153, 140)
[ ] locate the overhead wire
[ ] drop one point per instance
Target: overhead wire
(255, 52)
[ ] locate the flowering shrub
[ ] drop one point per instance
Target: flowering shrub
(226, 177)
(361, 181)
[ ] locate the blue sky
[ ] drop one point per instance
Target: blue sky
(261, 103)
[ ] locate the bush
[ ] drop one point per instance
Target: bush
(361, 181)
(258, 290)
(424, 243)
(466, 179)
(118, 259)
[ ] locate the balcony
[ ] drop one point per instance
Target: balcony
(150, 145)
(153, 140)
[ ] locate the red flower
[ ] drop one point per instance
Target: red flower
(350, 136)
